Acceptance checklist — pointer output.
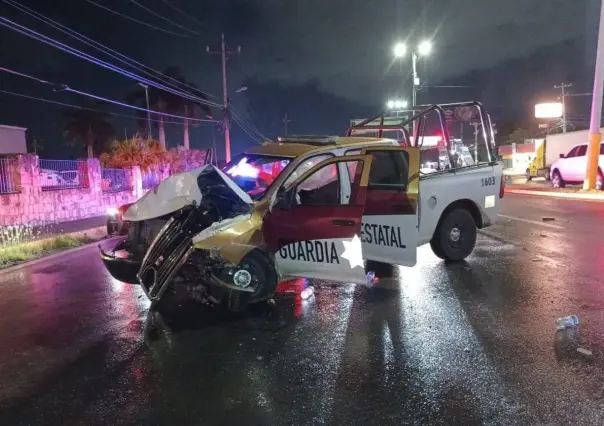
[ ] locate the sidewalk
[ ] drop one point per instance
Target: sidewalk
(70, 227)
(52, 230)
(544, 190)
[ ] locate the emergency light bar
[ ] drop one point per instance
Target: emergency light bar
(310, 140)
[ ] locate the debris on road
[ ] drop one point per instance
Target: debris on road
(585, 351)
(570, 321)
(537, 260)
(548, 219)
(307, 292)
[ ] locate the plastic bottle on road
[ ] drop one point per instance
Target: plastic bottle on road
(570, 321)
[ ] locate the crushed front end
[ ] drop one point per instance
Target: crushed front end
(162, 253)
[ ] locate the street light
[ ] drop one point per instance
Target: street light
(400, 50)
(395, 104)
(423, 49)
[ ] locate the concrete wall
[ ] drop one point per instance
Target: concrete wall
(31, 205)
(12, 140)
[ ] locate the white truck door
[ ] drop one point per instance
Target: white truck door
(389, 230)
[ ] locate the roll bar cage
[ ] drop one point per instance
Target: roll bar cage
(418, 121)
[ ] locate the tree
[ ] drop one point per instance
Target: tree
(91, 128)
(145, 153)
(170, 103)
(519, 135)
(185, 107)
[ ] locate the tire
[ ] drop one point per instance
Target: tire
(557, 181)
(547, 174)
(527, 175)
(263, 270)
(455, 237)
(264, 277)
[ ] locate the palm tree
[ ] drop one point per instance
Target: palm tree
(91, 128)
(188, 108)
(159, 101)
(166, 102)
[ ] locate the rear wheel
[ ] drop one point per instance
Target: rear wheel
(455, 237)
(557, 181)
(527, 174)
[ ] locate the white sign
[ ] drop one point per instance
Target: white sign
(548, 110)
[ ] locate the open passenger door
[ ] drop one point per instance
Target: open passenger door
(391, 216)
(314, 227)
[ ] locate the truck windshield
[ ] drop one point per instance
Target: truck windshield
(254, 173)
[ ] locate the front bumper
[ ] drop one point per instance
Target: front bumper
(122, 269)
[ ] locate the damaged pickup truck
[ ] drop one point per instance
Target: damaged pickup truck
(307, 206)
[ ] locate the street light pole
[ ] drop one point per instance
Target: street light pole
(593, 150)
(415, 79)
(146, 87)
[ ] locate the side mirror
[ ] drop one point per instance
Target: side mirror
(562, 156)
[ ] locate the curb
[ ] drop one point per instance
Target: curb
(54, 255)
(562, 195)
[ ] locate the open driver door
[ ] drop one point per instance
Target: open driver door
(391, 217)
(314, 229)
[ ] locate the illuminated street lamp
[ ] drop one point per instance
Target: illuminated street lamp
(399, 50)
(397, 104)
(423, 49)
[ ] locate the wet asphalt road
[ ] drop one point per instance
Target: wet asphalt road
(471, 343)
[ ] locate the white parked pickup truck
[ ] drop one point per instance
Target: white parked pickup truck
(306, 206)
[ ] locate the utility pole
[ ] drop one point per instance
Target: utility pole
(563, 99)
(475, 124)
(593, 149)
(285, 122)
(226, 113)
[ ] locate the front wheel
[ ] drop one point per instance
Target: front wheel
(527, 175)
(455, 237)
(557, 181)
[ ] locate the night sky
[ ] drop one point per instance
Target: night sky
(321, 62)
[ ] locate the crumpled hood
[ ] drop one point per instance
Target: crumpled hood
(176, 192)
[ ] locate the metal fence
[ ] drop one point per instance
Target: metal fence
(150, 179)
(10, 181)
(116, 180)
(63, 174)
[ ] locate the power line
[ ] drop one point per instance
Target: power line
(102, 48)
(248, 124)
(24, 75)
(182, 12)
(65, 88)
(164, 18)
(136, 20)
(61, 46)
(247, 130)
(6, 92)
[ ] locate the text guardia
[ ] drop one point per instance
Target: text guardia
(310, 251)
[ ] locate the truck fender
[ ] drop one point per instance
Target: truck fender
(465, 204)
